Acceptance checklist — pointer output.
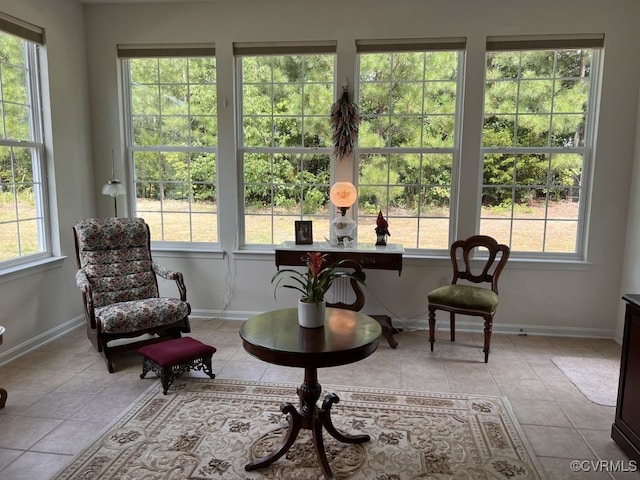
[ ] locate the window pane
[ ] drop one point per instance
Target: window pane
(403, 96)
(499, 130)
(22, 192)
(434, 233)
(496, 228)
(528, 235)
(9, 235)
(286, 101)
(408, 101)
(174, 104)
(561, 237)
(411, 190)
(538, 100)
(258, 229)
(145, 100)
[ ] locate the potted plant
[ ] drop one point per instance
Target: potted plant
(313, 284)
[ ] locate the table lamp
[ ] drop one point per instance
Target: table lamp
(343, 195)
(113, 187)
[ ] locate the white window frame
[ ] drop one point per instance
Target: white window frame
(452, 44)
(33, 39)
(594, 43)
(185, 51)
(241, 50)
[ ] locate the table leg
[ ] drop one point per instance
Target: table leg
(292, 433)
(309, 417)
(387, 329)
(3, 397)
(325, 419)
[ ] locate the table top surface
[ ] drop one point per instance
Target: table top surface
(632, 298)
(327, 247)
(276, 337)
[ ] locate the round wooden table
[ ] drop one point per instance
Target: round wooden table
(276, 337)
(3, 392)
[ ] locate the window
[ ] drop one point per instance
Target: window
(23, 207)
(537, 142)
(409, 96)
(286, 92)
(172, 137)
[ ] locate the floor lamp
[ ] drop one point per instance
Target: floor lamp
(113, 187)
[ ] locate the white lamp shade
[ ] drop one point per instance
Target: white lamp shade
(343, 194)
(113, 188)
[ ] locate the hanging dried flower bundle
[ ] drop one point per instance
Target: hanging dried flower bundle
(345, 119)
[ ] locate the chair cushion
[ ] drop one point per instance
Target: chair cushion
(176, 351)
(140, 315)
(465, 297)
(114, 255)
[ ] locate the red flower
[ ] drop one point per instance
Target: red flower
(314, 283)
(314, 263)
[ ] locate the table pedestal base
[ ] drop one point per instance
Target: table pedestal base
(387, 329)
(309, 417)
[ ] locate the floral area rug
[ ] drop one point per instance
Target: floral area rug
(210, 429)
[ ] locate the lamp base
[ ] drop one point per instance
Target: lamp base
(343, 230)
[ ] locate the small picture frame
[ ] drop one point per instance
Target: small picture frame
(304, 232)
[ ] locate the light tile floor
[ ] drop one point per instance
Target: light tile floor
(61, 395)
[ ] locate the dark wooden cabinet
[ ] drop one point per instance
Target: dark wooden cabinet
(625, 430)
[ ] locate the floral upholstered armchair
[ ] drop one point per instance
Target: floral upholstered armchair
(119, 285)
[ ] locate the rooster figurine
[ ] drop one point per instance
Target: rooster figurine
(382, 229)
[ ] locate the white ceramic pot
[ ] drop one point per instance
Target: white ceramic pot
(311, 315)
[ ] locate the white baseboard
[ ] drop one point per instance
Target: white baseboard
(506, 328)
(40, 340)
(399, 323)
(461, 325)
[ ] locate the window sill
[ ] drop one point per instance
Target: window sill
(31, 268)
(256, 253)
(186, 252)
(513, 262)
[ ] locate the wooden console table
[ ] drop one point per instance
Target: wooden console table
(367, 255)
(625, 430)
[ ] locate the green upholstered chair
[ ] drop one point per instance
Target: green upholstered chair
(467, 298)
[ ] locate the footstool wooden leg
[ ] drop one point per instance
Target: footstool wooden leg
(206, 366)
(166, 378)
(146, 367)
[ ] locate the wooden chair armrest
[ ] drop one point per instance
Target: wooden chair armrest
(171, 275)
(82, 282)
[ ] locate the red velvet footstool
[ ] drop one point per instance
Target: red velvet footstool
(171, 358)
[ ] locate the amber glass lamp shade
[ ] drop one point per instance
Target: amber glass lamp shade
(343, 195)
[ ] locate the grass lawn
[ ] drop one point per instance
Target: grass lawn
(527, 229)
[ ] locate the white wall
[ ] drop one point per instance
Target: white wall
(560, 299)
(37, 302)
(631, 268)
(537, 298)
